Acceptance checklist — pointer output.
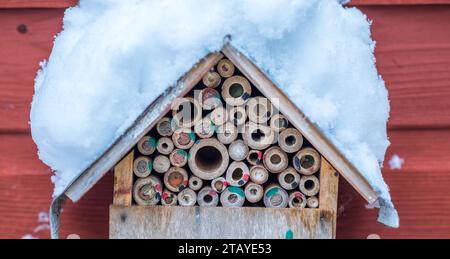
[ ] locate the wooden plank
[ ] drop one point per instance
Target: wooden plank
(413, 57)
(419, 190)
(25, 200)
(413, 54)
(140, 127)
(20, 54)
(177, 222)
(123, 181)
(328, 196)
(37, 3)
(302, 123)
(18, 156)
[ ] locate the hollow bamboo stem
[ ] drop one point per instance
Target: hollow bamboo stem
(253, 192)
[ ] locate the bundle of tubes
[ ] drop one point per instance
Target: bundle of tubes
(224, 144)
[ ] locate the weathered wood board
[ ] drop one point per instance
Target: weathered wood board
(413, 57)
(123, 181)
(177, 222)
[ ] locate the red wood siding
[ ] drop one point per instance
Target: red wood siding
(68, 3)
(413, 56)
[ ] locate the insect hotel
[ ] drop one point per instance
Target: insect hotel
(221, 154)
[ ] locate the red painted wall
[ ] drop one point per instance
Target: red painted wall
(413, 56)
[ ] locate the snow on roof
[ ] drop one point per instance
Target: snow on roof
(114, 57)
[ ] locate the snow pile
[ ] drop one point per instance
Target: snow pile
(396, 162)
(115, 57)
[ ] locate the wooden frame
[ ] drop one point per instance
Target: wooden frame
(302, 123)
(139, 128)
(333, 161)
(207, 222)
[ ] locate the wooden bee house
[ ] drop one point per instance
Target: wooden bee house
(256, 168)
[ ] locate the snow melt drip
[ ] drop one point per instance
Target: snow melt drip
(115, 57)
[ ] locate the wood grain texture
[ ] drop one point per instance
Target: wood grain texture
(37, 3)
(422, 214)
(328, 196)
(412, 56)
(123, 181)
(299, 120)
(141, 126)
(176, 222)
(20, 54)
(413, 53)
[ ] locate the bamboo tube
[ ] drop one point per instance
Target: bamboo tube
(205, 128)
(176, 179)
(290, 140)
(297, 200)
(275, 160)
(232, 197)
(186, 112)
(164, 127)
(307, 161)
(255, 157)
(207, 197)
(237, 115)
(210, 99)
(253, 192)
(211, 79)
(164, 146)
(309, 185)
(225, 68)
(236, 90)
(219, 184)
(227, 133)
(259, 174)
(178, 158)
(183, 138)
(278, 122)
(218, 116)
(208, 159)
(142, 166)
(275, 197)
(146, 145)
(259, 109)
(195, 183)
(289, 179)
(258, 136)
(238, 150)
(147, 191)
(237, 174)
(161, 164)
(168, 198)
(312, 202)
(187, 197)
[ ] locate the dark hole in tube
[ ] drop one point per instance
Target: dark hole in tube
(237, 174)
(257, 135)
(309, 185)
(207, 198)
(289, 178)
(275, 159)
(236, 90)
(208, 159)
(291, 140)
(307, 161)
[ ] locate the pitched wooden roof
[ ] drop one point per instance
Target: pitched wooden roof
(161, 106)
